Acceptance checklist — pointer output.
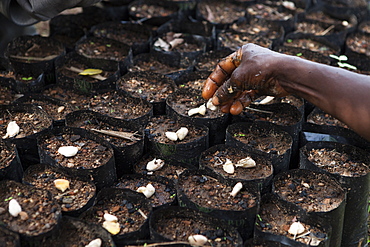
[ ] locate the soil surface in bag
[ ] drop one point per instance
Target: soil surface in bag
(131, 215)
(142, 10)
(145, 62)
(111, 103)
(274, 142)
(29, 122)
(276, 220)
(219, 157)
(175, 42)
(359, 43)
(335, 162)
(168, 170)
(74, 197)
(159, 125)
(7, 155)
(163, 193)
(207, 192)
(220, 12)
(150, 86)
(6, 94)
(311, 45)
(90, 155)
(108, 132)
(312, 193)
(40, 213)
(321, 118)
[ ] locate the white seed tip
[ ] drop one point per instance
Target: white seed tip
(95, 243)
(110, 217)
(237, 187)
(210, 105)
(68, 151)
(14, 207)
(181, 133)
(247, 162)
(148, 191)
(171, 135)
(112, 227)
(61, 108)
(202, 109)
(155, 164)
(266, 100)
(197, 240)
(296, 228)
(12, 129)
(61, 184)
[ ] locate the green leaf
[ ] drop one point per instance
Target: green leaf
(334, 56)
(299, 54)
(108, 45)
(91, 72)
(289, 40)
(27, 78)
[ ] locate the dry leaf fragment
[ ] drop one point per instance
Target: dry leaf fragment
(91, 72)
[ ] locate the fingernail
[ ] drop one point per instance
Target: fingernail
(215, 101)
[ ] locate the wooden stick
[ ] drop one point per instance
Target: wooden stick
(120, 134)
(253, 109)
(98, 77)
(326, 30)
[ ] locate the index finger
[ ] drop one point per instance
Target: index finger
(221, 73)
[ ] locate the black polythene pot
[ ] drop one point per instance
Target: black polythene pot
(26, 145)
(175, 212)
(23, 83)
(9, 238)
(304, 54)
(143, 180)
(242, 220)
(285, 111)
(187, 151)
(122, 197)
(126, 155)
(81, 83)
(360, 60)
(280, 162)
(34, 170)
(159, 104)
(11, 167)
(257, 242)
(216, 123)
(75, 231)
(19, 48)
(102, 176)
(264, 183)
(283, 209)
(358, 187)
(335, 216)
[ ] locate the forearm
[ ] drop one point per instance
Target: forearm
(339, 92)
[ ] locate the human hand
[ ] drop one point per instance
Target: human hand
(243, 76)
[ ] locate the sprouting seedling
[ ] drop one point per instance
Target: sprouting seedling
(340, 63)
(27, 78)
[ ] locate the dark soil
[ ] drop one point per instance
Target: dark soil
(277, 220)
(149, 11)
(29, 122)
(111, 103)
(41, 212)
(313, 28)
(150, 86)
(74, 198)
(154, 66)
(168, 170)
(179, 229)
(208, 192)
(322, 17)
(234, 41)
(158, 126)
(283, 118)
(208, 61)
(364, 27)
(94, 124)
(359, 43)
(6, 95)
(310, 45)
(163, 193)
(220, 12)
(96, 47)
(91, 154)
(7, 155)
(126, 211)
(312, 193)
(262, 11)
(255, 28)
(195, 84)
(322, 118)
(215, 160)
(273, 142)
(181, 45)
(336, 162)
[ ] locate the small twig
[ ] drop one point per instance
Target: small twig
(253, 109)
(120, 134)
(39, 59)
(142, 213)
(210, 16)
(303, 234)
(326, 30)
(98, 77)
